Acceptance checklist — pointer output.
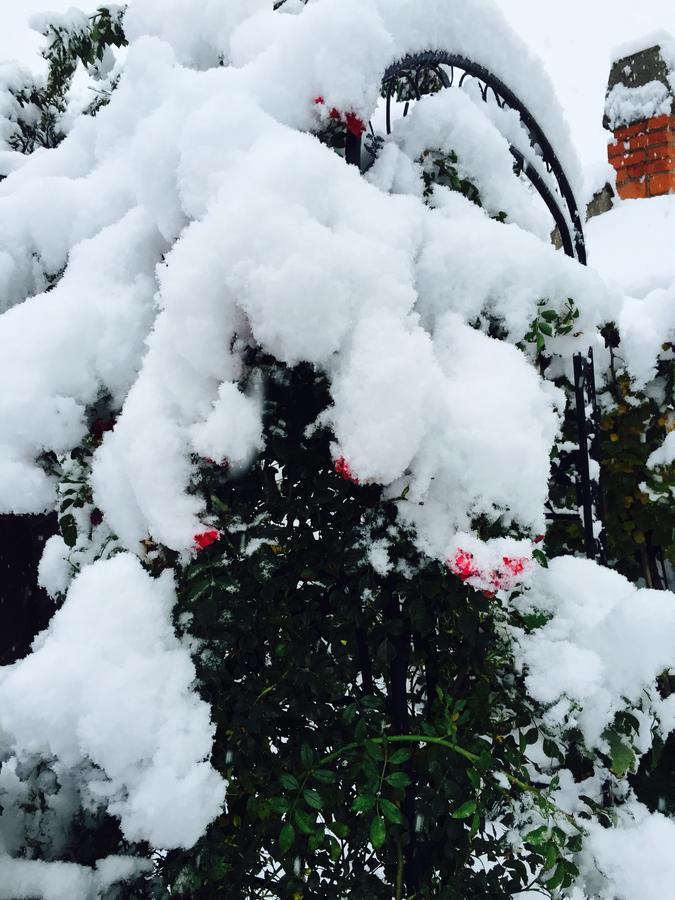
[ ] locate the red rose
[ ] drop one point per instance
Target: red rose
(462, 565)
(515, 566)
(342, 468)
(206, 538)
(354, 125)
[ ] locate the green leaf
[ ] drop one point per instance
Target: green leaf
(312, 798)
(68, 530)
(546, 329)
(551, 749)
(627, 722)
(378, 832)
(537, 837)
(341, 829)
(279, 804)
(541, 558)
(316, 840)
(306, 755)
(391, 813)
(286, 837)
(474, 778)
(550, 315)
(398, 779)
(304, 821)
(372, 775)
(551, 854)
(465, 810)
(375, 751)
(363, 803)
(557, 879)
(334, 848)
(398, 757)
(531, 736)
(324, 776)
(290, 782)
(621, 754)
(484, 761)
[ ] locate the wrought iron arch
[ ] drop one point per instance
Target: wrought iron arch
(434, 70)
(428, 70)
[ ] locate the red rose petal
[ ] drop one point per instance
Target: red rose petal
(206, 538)
(342, 468)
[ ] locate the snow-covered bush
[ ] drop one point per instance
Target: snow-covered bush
(637, 423)
(36, 111)
(294, 424)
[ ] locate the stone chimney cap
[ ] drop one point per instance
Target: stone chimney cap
(640, 110)
(641, 68)
(641, 83)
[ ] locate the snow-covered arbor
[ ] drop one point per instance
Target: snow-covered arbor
(297, 423)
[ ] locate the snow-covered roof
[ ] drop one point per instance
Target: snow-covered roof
(632, 246)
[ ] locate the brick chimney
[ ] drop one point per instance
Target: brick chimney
(640, 110)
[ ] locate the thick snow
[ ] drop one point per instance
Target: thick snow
(372, 255)
(632, 861)
(23, 879)
(625, 105)
(108, 683)
(603, 648)
(632, 245)
(646, 325)
(665, 455)
(656, 38)
(196, 214)
(456, 119)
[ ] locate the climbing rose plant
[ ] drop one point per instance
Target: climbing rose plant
(311, 638)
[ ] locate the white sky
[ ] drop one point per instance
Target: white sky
(574, 39)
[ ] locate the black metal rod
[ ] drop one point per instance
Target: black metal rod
(434, 58)
(548, 198)
(353, 149)
(586, 500)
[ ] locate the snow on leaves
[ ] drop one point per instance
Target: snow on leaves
(173, 231)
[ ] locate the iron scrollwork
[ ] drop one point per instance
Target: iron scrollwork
(589, 490)
(416, 75)
(429, 72)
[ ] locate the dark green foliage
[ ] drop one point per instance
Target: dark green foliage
(640, 512)
(323, 676)
(440, 168)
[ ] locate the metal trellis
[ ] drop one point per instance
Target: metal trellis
(434, 70)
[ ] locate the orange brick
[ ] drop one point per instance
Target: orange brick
(629, 159)
(652, 139)
(633, 173)
(658, 122)
(617, 149)
(632, 190)
(663, 151)
(659, 166)
(629, 131)
(662, 184)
